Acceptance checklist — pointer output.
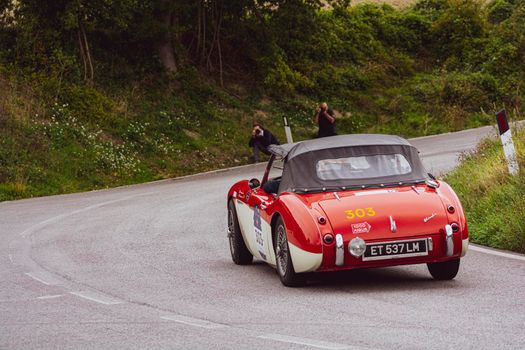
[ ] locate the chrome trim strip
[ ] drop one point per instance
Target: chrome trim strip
(393, 226)
(339, 250)
(450, 240)
(369, 193)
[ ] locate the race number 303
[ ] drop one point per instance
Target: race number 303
(360, 213)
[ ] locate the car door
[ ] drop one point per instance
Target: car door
(254, 220)
(256, 225)
(261, 203)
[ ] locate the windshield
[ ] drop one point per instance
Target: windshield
(363, 167)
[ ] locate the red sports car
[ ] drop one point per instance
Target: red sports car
(346, 202)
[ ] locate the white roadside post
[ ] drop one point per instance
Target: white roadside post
(506, 140)
(287, 130)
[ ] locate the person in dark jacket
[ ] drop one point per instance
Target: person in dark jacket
(260, 140)
(325, 118)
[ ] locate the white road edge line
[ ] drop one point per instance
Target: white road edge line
(44, 297)
(196, 322)
(307, 342)
(96, 298)
(480, 249)
(38, 279)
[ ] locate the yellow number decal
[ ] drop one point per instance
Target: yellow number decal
(359, 213)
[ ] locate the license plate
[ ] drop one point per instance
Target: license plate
(397, 249)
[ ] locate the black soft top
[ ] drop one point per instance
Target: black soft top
(291, 150)
(301, 158)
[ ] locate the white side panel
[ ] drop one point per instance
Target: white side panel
(267, 231)
(464, 247)
(304, 261)
(245, 216)
(256, 232)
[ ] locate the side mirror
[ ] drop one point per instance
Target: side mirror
(254, 183)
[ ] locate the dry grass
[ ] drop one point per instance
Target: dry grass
(17, 101)
(394, 3)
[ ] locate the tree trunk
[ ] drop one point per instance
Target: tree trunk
(85, 54)
(82, 53)
(166, 52)
(88, 56)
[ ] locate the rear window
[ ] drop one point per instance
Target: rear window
(362, 167)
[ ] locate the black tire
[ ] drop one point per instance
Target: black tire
(285, 268)
(240, 254)
(444, 270)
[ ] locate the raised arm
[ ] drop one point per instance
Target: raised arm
(329, 117)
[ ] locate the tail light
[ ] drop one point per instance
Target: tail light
(328, 238)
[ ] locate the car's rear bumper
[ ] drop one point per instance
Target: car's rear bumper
(438, 253)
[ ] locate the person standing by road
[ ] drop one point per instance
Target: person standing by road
(325, 118)
(260, 140)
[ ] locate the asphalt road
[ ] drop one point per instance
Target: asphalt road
(148, 266)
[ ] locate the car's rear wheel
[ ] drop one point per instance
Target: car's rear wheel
(444, 270)
(285, 268)
(240, 254)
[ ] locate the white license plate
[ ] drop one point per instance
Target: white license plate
(396, 249)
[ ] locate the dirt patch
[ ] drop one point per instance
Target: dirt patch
(259, 116)
(192, 135)
(395, 3)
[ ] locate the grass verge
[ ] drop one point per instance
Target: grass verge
(494, 201)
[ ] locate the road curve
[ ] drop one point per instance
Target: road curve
(148, 266)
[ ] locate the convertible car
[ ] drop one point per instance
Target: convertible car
(346, 202)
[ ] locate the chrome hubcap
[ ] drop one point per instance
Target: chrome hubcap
(282, 250)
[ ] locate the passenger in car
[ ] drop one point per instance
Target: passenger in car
(272, 186)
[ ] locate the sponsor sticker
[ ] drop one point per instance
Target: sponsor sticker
(361, 227)
(259, 239)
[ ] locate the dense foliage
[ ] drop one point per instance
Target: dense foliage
(105, 92)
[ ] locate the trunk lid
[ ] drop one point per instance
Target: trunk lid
(414, 212)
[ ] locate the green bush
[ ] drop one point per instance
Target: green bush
(499, 10)
(453, 31)
(282, 79)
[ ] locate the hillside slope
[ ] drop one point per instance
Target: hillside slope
(75, 117)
